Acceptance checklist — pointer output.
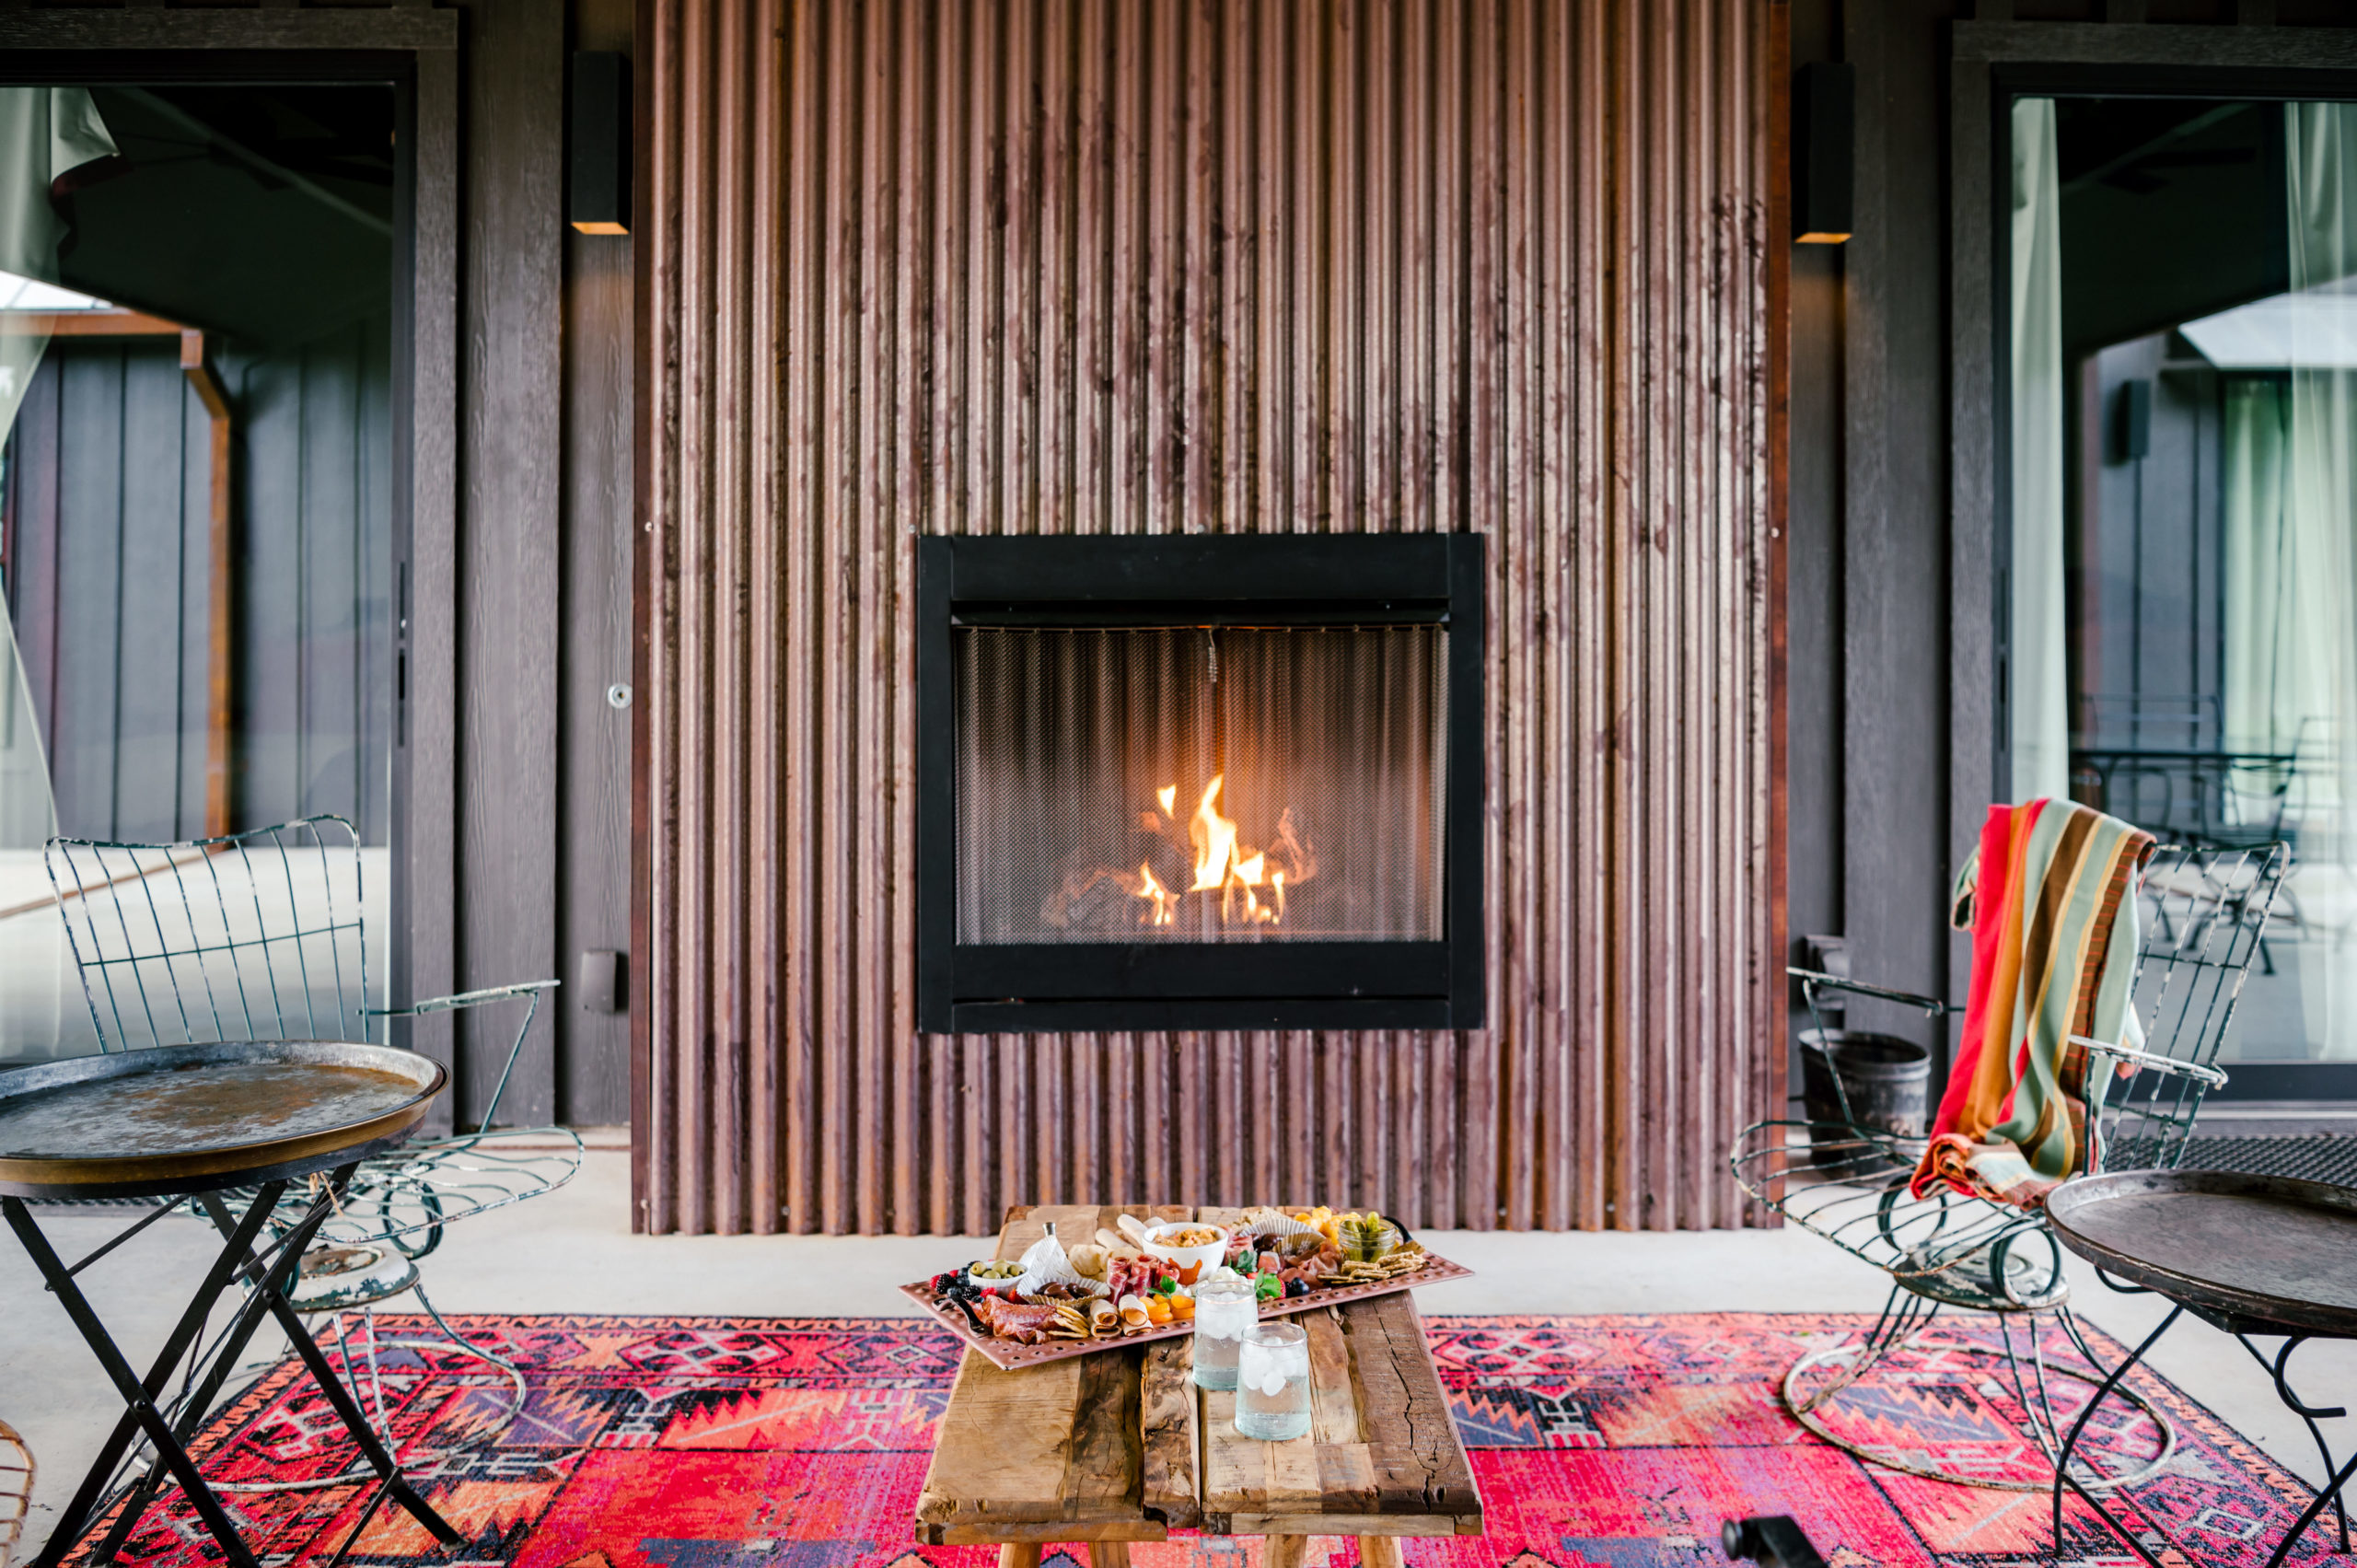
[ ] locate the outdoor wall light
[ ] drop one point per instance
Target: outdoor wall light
(1825, 96)
(598, 194)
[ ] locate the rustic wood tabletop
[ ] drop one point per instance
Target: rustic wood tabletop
(1120, 1446)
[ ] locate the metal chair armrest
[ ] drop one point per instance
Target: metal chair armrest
(2167, 1066)
(465, 999)
(528, 992)
(1932, 1005)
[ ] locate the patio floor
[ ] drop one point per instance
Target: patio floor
(571, 1252)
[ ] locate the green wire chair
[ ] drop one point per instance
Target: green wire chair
(260, 935)
(2203, 913)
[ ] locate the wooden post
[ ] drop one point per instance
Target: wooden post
(220, 759)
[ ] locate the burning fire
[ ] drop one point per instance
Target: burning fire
(1247, 885)
(1150, 889)
(1224, 863)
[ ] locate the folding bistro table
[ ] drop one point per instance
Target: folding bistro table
(2253, 1255)
(218, 1127)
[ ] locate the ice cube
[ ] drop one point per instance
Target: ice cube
(1274, 1383)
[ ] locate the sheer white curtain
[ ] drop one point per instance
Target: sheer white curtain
(2315, 691)
(2268, 621)
(2039, 694)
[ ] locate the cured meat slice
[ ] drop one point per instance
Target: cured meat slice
(1016, 1321)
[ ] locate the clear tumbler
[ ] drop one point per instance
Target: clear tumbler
(1226, 1312)
(1273, 1383)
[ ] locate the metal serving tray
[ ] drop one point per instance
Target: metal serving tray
(2259, 1253)
(194, 1118)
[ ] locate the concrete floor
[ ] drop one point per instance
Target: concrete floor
(572, 1252)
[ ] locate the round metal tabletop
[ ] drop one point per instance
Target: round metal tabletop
(2266, 1253)
(193, 1117)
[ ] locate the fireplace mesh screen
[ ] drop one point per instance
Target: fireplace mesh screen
(1201, 785)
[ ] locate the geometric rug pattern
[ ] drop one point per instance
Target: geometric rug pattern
(1598, 1442)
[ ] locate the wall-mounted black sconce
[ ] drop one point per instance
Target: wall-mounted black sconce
(1825, 97)
(598, 194)
(2132, 416)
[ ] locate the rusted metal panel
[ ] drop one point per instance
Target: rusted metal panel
(1067, 266)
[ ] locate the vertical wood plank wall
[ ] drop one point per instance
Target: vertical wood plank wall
(1063, 267)
(110, 582)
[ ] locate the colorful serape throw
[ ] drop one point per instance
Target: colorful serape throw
(2047, 898)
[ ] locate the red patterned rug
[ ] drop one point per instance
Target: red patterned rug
(800, 1443)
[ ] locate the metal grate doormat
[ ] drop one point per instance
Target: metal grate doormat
(2318, 1156)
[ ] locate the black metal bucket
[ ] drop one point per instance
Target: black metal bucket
(1887, 1081)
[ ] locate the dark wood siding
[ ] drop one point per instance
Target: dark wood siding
(592, 871)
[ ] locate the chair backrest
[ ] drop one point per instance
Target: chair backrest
(2203, 914)
(256, 936)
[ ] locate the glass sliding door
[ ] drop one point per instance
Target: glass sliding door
(197, 523)
(2182, 550)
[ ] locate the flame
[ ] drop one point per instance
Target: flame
(1214, 838)
(1150, 889)
(1224, 864)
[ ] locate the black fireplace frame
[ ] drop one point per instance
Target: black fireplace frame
(1207, 580)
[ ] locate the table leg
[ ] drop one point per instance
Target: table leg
(261, 1280)
(1283, 1552)
(1019, 1554)
(2278, 1369)
(1109, 1555)
(2062, 1476)
(138, 1397)
(274, 1297)
(184, 1333)
(1379, 1552)
(2332, 1489)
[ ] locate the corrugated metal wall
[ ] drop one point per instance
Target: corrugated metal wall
(1121, 268)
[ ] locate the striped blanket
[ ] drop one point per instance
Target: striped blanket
(2047, 898)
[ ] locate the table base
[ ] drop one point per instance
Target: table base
(266, 1274)
(2337, 1479)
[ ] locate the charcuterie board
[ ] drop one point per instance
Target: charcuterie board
(1411, 1266)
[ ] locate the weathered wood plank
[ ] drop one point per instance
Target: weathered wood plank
(1170, 1477)
(1419, 1460)
(1381, 1446)
(1103, 1469)
(1360, 1524)
(1058, 1451)
(1056, 1530)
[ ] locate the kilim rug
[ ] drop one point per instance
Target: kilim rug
(1613, 1441)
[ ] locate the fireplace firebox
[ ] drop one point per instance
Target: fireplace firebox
(1206, 782)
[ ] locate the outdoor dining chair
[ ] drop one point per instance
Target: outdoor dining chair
(261, 935)
(2203, 914)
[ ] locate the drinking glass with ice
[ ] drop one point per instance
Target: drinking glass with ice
(1273, 1382)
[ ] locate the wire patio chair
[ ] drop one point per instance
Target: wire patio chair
(260, 935)
(2204, 915)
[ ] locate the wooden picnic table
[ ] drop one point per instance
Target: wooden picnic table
(1120, 1446)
